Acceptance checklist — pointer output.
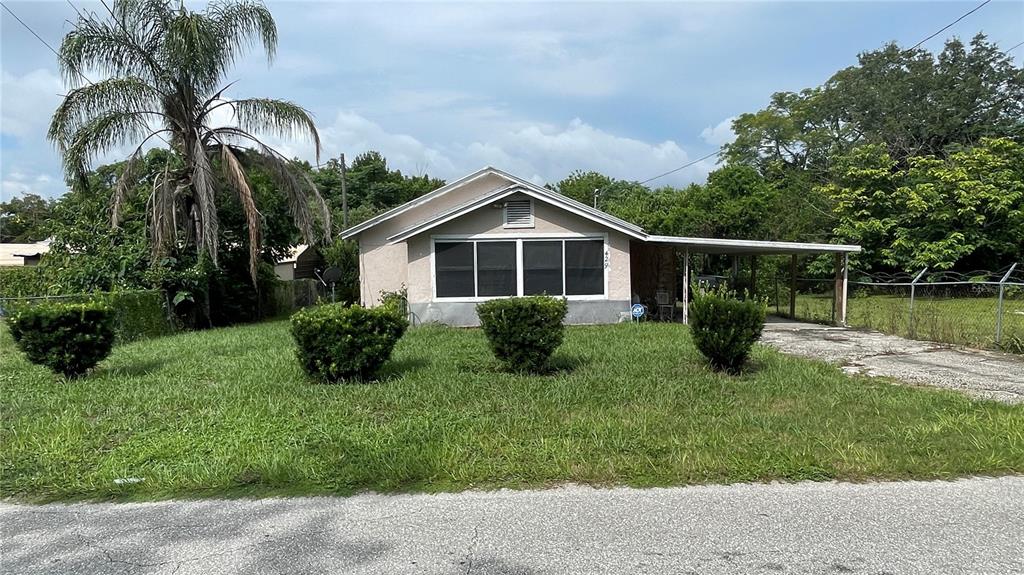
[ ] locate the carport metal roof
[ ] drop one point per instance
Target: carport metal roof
(750, 247)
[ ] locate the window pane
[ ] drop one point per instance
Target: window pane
(542, 268)
(453, 266)
(584, 267)
(496, 268)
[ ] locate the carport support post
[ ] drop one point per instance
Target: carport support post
(792, 287)
(686, 286)
(842, 282)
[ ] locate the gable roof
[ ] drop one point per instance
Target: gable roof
(516, 185)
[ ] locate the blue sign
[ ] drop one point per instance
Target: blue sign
(638, 311)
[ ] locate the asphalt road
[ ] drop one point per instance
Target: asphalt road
(966, 526)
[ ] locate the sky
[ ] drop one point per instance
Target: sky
(537, 89)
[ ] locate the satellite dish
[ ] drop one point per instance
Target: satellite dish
(332, 274)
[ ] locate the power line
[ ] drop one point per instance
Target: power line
(684, 166)
(950, 25)
(1014, 47)
(45, 43)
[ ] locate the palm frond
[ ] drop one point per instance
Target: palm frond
(276, 117)
(101, 133)
(305, 203)
(162, 209)
(241, 24)
(204, 196)
(235, 174)
(108, 47)
(130, 94)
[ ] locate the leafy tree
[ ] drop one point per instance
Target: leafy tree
(966, 209)
(24, 220)
(371, 186)
(909, 100)
(166, 66)
(582, 186)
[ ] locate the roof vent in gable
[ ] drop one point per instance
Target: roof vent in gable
(519, 214)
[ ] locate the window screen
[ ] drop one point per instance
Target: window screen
(584, 267)
(542, 268)
(496, 268)
(453, 265)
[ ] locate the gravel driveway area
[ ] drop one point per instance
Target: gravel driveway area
(966, 526)
(982, 374)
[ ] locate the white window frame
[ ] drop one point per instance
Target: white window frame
(504, 214)
(518, 239)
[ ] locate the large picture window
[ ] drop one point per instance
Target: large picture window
(453, 265)
(495, 269)
(542, 268)
(584, 267)
(488, 268)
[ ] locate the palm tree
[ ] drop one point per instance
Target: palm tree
(164, 69)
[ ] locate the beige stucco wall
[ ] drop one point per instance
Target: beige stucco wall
(381, 268)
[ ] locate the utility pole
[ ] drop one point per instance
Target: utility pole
(344, 196)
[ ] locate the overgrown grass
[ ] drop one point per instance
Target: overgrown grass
(229, 412)
(969, 321)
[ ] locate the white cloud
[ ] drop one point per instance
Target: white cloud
(26, 102)
(535, 151)
(720, 134)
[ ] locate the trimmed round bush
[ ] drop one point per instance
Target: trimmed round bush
(68, 338)
(523, 331)
(337, 343)
(724, 328)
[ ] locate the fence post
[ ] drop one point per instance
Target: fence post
(910, 320)
(999, 307)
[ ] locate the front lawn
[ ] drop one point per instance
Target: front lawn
(228, 412)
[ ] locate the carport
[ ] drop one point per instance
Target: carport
(653, 265)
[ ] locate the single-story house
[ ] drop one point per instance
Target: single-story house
(491, 234)
(23, 254)
(301, 263)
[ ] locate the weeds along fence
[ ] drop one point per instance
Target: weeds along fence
(978, 309)
(138, 314)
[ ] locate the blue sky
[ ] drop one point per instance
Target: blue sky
(537, 89)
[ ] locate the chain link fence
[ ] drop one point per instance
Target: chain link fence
(978, 309)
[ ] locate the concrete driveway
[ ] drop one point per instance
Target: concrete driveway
(966, 526)
(982, 374)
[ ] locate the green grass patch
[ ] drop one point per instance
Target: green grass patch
(229, 412)
(969, 321)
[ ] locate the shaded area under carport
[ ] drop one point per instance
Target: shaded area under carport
(654, 265)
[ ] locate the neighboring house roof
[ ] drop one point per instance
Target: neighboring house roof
(520, 186)
(293, 254)
(15, 254)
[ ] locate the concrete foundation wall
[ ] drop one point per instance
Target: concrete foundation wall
(463, 314)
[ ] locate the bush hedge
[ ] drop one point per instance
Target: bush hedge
(137, 314)
(68, 338)
(725, 328)
(523, 331)
(337, 343)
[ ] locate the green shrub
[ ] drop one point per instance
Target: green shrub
(344, 343)
(137, 314)
(68, 338)
(725, 328)
(523, 331)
